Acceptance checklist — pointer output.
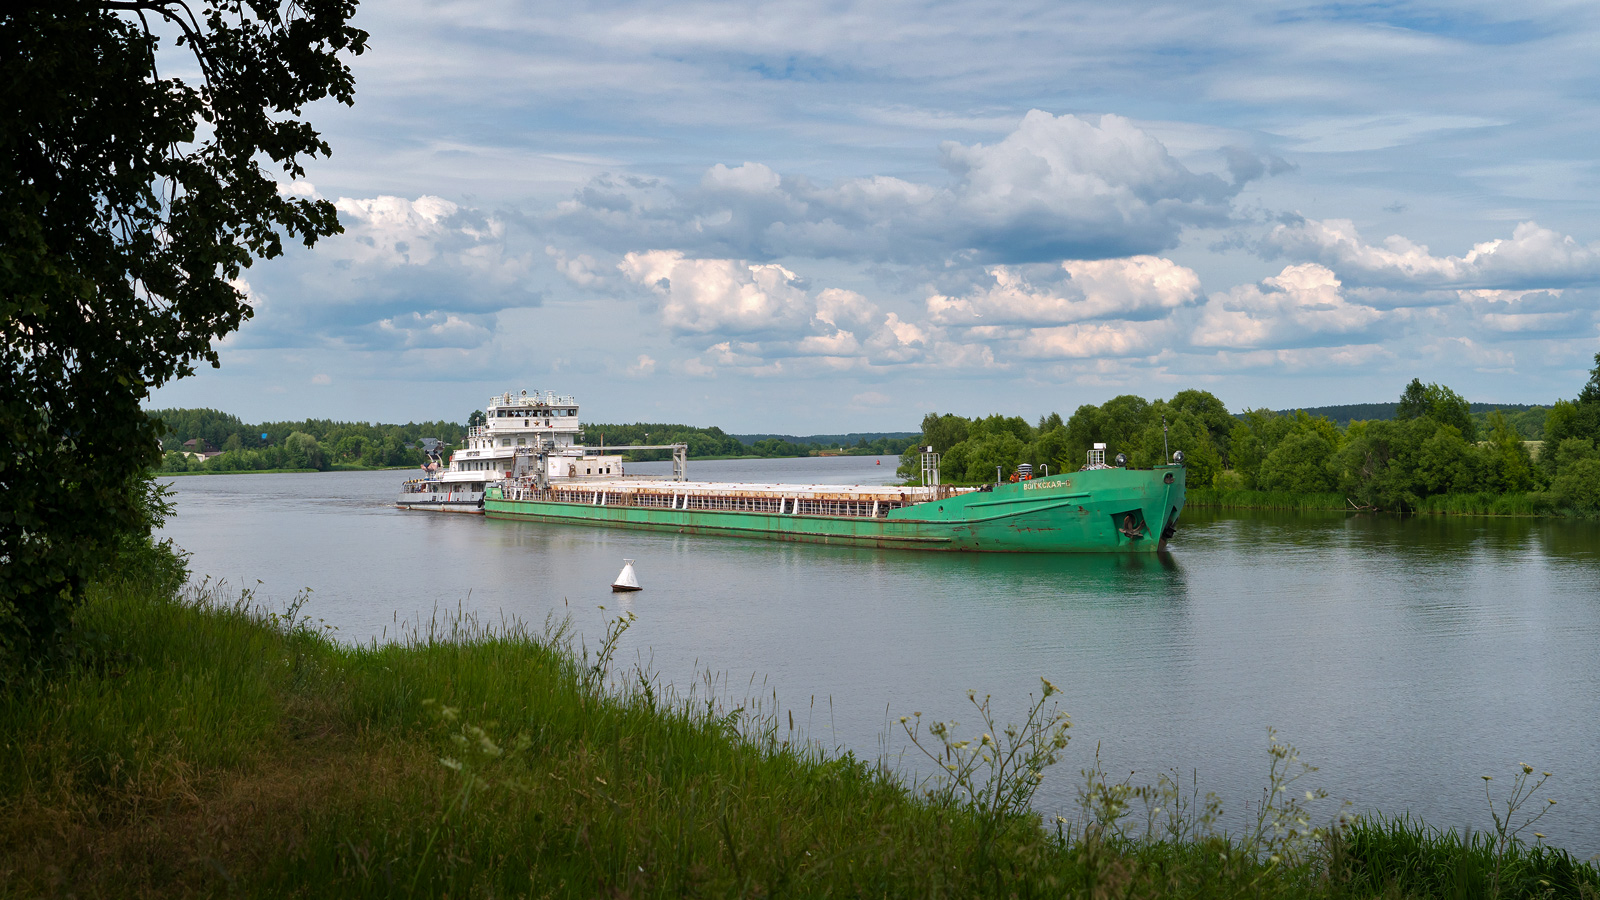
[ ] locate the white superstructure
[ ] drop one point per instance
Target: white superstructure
(517, 429)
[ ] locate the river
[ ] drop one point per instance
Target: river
(1404, 658)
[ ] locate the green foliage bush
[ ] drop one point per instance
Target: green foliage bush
(1427, 458)
(1300, 463)
(973, 449)
(1578, 484)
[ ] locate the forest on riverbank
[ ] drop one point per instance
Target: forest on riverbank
(714, 442)
(318, 444)
(1435, 455)
(223, 442)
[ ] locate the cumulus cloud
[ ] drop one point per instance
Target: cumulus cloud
(1466, 351)
(1528, 313)
(1304, 304)
(1063, 186)
(433, 330)
(1137, 287)
(1090, 340)
(1055, 187)
(721, 296)
(406, 273)
(581, 269)
(1533, 257)
(745, 314)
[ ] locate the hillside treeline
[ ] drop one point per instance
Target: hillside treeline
(309, 444)
(704, 442)
(1433, 446)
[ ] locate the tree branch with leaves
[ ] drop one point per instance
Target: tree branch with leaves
(131, 202)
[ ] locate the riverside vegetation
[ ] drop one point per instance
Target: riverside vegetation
(315, 444)
(324, 444)
(1434, 456)
(187, 742)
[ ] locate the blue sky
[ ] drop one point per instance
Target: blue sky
(813, 217)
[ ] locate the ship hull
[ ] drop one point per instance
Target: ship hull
(442, 501)
(1104, 510)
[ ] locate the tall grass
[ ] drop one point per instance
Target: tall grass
(1533, 503)
(1219, 498)
(1385, 856)
(202, 746)
(1489, 504)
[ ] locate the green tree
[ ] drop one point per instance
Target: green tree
(130, 203)
(1578, 484)
(1189, 433)
(476, 419)
(1507, 465)
(351, 449)
(1257, 433)
(943, 432)
(979, 456)
(303, 451)
(1413, 401)
(1560, 423)
(1210, 413)
(1439, 403)
(1300, 463)
(1377, 463)
(1572, 450)
(1446, 463)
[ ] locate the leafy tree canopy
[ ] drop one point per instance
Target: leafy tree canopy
(130, 203)
(1439, 403)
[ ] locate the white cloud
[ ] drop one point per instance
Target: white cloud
(1062, 181)
(1532, 257)
(396, 230)
(1300, 305)
(434, 330)
(1094, 339)
(321, 378)
(299, 188)
(582, 269)
(720, 296)
(643, 366)
(765, 312)
(1465, 351)
(750, 178)
(1055, 187)
(1128, 288)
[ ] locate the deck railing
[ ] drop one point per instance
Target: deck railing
(740, 503)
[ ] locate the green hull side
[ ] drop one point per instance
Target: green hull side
(1075, 512)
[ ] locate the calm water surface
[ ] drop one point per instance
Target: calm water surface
(1404, 658)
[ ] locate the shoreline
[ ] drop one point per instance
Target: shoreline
(468, 760)
(1524, 506)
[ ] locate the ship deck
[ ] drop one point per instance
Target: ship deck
(869, 500)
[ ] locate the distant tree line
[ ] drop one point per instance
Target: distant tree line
(1433, 445)
(1528, 419)
(310, 444)
(704, 442)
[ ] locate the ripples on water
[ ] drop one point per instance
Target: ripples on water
(1404, 657)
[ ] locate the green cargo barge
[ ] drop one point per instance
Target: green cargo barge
(1097, 509)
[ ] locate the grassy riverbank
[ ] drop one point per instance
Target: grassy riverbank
(199, 747)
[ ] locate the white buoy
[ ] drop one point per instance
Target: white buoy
(626, 580)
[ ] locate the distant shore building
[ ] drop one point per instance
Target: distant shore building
(197, 448)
